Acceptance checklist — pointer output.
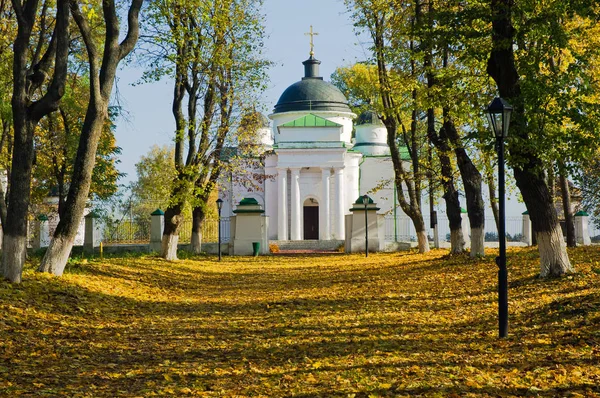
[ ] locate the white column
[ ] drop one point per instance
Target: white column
(527, 235)
(339, 211)
(466, 227)
(282, 204)
(295, 231)
(324, 216)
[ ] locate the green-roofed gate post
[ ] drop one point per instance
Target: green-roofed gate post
(92, 234)
(41, 232)
(157, 225)
(582, 232)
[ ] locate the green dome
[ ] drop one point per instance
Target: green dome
(312, 93)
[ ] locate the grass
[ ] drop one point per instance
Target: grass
(341, 326)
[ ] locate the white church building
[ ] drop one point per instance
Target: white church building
(313, 169)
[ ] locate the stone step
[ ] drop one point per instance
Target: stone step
(320, 245)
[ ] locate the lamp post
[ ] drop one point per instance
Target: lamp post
(219, 207)
(499, 118)
(365, 200)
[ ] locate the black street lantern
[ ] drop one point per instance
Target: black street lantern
(499, 117)
(219, 207)
(365, 200)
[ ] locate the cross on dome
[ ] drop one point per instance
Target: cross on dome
(312, 43)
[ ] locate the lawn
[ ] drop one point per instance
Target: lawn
(333, 325)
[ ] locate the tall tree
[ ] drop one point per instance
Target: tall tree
(212, 51)
(402, 123)
(103, 63)
(8, 28)
(528, 172)
(38, 66)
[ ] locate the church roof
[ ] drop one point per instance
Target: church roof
(310, 120)
(312, 93)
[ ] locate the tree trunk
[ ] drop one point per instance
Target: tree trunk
(457, 241)
(554, 260)
(493, 200)
(553, 255)
(472, 182)
(198, 217)
(103, 68)
(170, 238)
(15, 230)
(566, 200)
(5, 140)
(29, 76)
(422, 240)
(55, 258)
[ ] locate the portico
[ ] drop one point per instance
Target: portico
(299, 188)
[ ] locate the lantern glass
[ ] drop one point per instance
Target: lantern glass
(219, 203)
(365, 199)
(498, 116)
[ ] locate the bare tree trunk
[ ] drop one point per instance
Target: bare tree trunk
(198, 216)
(554, 260)
(170, 239)
(442, 145)
(29, 75)
(5, 140)
(457, 241)
(566, 201)
(103, 69)
(492, 192)
(472, 181)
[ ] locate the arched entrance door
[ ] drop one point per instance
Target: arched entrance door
(311, 219)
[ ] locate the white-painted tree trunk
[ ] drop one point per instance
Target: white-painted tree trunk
(57, 255)
(423, 242)
(554, 260)
(457, 241)
(14, 253)
(169, 247)
(196, 243)
(477, 242)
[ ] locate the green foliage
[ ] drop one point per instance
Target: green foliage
(360, 85)
(588, 180)
(57, 141)
(155, 175)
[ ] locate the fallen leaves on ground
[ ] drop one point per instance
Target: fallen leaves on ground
(397, 324)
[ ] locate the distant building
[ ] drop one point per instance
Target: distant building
(311, 170)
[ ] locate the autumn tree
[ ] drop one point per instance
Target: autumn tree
(40, 65)
(544, 62)
(102, 62)
(211, 49)
(399, 102)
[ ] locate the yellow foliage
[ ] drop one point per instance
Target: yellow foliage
(397, 324)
